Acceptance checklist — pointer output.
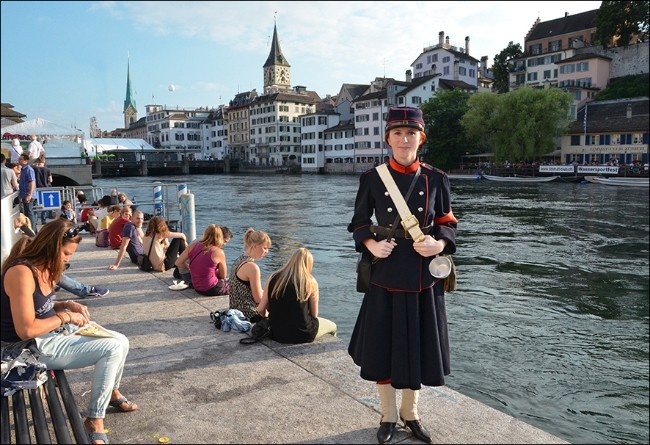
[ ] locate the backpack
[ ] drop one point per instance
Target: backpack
(260, 331)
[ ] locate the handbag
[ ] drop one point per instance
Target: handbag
(259, 331)
(144, 263)
(364, 267)
(366, 259)
(101, 238)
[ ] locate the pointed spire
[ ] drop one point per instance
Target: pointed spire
(129, 100)
(275, 55)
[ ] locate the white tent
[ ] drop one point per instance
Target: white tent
(117, 145)
(41, 127)
(61, 141)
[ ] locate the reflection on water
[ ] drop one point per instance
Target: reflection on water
(550, 322)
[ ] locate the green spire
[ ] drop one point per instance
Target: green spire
(130, 100)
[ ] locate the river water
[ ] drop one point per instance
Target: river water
(550, 322)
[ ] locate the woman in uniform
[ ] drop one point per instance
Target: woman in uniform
(400, 336)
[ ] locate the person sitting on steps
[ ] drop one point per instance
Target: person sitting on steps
(291, 297)
(31, 311)
(163, 254)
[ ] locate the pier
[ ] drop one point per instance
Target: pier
(195, 384)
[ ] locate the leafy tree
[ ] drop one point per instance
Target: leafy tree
(446, 141)
(479, 122)
(501, 68)
(622, 19)
(520, 125)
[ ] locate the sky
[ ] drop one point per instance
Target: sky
(66, 61)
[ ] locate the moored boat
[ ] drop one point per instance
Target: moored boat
(475, 177)
(622, 181)
(520, 178)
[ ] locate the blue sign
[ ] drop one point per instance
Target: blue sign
(49, 200)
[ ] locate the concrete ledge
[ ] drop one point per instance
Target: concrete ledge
(195, 384)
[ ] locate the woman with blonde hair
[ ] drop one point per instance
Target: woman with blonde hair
(31, 313)
(207, 262)
(291, 297)
(245, 276)
(163, 254)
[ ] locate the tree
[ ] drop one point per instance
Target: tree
(446, 141)
(620, 21)
(520, 125)
(501, 66)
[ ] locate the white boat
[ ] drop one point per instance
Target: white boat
(520, 178)
(475, 177)
(616, 181)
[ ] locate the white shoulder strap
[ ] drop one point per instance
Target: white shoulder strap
(409, 222)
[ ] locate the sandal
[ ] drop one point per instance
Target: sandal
(97, 436)
(119, 404)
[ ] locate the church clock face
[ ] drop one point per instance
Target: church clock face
(269, 77)
(283, 76)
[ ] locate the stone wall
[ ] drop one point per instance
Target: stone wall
(629, 60)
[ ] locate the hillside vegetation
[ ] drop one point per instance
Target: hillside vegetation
(626, 87)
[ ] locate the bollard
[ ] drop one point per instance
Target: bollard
(182, 189)
(187, 217)
(158, 200)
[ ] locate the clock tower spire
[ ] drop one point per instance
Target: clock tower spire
(277, 70)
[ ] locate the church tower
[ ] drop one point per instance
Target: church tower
(277, 70)
(130, 111)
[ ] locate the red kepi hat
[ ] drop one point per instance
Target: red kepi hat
(404, 117)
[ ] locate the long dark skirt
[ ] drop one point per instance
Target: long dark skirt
(402, 337)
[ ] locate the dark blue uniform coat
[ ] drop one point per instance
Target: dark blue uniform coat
(401, 330)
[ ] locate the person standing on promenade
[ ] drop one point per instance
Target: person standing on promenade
(31, 313)
(245, 276)
(26, 188)
(9, 179)
(15, 151)
(400, 337)
(291, 297)
(35, 148)
(43, 176)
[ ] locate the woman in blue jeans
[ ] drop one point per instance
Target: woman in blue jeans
(30, 310)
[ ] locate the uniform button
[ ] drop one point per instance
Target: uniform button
(390, 209)
(420, 209)
(421, 193)
(386, 193)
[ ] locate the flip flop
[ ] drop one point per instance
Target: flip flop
(97, 436)
(122, 400)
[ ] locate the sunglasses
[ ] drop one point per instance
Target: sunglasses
(71, 233)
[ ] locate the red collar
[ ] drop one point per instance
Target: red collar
(400, 168)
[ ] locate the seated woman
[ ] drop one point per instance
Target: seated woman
(245, 276)
(67, 212)
(206, 261)
(163, 254)
(30, 310)
(291, 298)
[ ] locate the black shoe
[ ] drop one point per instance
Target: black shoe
(385, 432)
(418, 430)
